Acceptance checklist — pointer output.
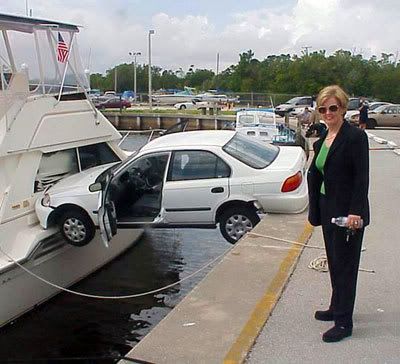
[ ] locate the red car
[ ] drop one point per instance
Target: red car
(114, 102)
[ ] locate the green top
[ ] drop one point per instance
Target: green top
(320, 162)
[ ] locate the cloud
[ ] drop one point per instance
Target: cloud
(363, 26)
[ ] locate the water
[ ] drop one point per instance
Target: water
(71, 326)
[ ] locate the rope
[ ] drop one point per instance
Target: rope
(113, 297)
(319, 265)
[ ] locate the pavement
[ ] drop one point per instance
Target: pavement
(292, 335)
(257, 305)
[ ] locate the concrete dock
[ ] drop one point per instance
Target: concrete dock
(257, 304)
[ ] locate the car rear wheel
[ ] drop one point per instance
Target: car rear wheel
(236, 222)
(76, 227)
(371, 124)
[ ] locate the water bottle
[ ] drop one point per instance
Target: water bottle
(342, 222)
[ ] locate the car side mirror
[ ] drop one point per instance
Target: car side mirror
(94, 187)
(383, 112)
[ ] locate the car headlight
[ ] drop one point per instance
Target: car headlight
(46, 200)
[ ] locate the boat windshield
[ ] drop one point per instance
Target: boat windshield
(47, 53)
(250, 151)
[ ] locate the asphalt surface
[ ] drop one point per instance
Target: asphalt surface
(292, 335)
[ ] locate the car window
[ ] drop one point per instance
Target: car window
(391, 110)
(250, 151)
(353, 104)
(96, 155)
(197, 164)
(304, 101)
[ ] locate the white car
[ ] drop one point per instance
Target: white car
(204, 178)
(71, 206)
(294, 105)
(189, 179)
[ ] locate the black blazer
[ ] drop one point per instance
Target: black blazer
(346, 177)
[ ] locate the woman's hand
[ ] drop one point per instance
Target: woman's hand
(354, 222)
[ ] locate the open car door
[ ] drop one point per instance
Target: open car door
(107, 214)
(132, 197)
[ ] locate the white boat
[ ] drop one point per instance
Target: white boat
(172, 99)
(48, 129)
(264, 125)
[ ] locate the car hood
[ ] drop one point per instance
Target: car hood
(80, 179)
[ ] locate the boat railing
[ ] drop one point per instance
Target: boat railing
(140, 137)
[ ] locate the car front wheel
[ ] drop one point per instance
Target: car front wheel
(236, 222)
(76, 228)
(182, 107)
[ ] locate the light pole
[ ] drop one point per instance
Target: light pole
(134, 54)
(150, 100)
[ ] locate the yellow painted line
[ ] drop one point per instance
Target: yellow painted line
(240, 348)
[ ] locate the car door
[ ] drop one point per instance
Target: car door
(395, 117)
(388, 116)
(133, 196)
(197, 183)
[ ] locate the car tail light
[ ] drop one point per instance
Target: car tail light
(292, 183)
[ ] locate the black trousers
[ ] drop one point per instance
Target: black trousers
(343, 255)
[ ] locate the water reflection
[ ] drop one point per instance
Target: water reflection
(73, 326)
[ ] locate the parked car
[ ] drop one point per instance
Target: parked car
(112, 102)
(294, 105)
(385, 115)
(353, 116)
(190, 179)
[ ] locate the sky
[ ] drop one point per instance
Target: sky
(190, 32)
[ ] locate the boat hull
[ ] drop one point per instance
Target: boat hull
(64, 265)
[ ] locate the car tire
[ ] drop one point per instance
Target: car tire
(236, 222)
(182, 107)
(371, 124)
(76, 227)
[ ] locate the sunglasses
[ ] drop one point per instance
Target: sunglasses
(331, 108)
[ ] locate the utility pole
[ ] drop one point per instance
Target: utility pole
(306, 48)
(217, 63)
(115, 79)
(150, 97)
(134, 54)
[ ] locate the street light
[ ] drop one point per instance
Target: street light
(134, 54)
(150, 100)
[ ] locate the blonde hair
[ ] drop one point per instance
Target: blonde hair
(333, 91)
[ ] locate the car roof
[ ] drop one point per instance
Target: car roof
(191, 139)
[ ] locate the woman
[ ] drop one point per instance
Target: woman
(338, 181)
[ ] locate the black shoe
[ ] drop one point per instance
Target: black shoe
(337, 333)
(324, 315)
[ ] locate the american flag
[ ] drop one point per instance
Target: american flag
(62, 49)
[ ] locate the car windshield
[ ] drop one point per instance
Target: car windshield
(102, 177)
(380, 108)
(293, 101)
(250, 151)
(376, 106)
